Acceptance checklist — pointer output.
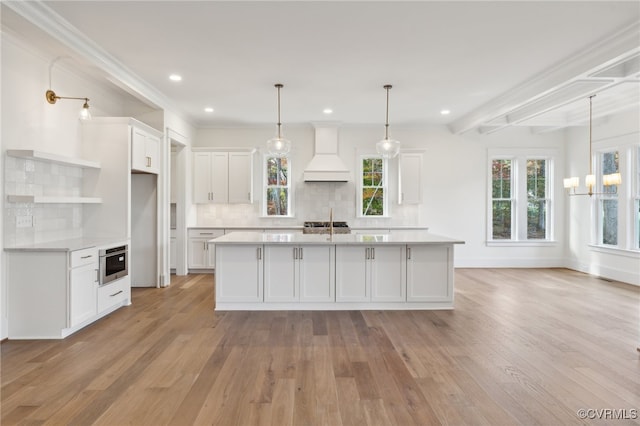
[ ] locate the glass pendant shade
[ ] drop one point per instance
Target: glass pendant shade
(84, 112)
(388, 148)
(279, 147)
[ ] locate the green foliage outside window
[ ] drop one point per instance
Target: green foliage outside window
(501, 194)
(536, 199)
(372, 187)
(277, 186)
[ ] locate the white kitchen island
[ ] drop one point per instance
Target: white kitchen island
(295, 271)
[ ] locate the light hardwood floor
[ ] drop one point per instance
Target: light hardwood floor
(522, 346)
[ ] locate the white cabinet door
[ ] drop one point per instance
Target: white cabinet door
(197, 253)
(152, 151)
(351, 274)
(222, 177)
(387, 273)
(410, 178)
(201, 177)
(316, 273)
(239, 275)
(83, 293)
(280, 273)
(429, 273)
(240, 177)
(371, 273)
(201, 253)
(219, 177)
(145, 150)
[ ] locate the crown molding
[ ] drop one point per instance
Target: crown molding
(43, 17)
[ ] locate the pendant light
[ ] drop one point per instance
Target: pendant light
(388, 148)
(279, 146)
(612, 179)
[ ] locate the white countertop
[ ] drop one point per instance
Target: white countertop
(413, 237)
(287, 227)
(68, 245)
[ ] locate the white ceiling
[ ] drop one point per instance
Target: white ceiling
(491, 63)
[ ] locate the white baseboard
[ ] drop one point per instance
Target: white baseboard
(525, 262)
(628, 277)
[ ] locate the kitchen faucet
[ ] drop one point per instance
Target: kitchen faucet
(331, 222)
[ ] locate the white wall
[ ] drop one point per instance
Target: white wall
(455, 180)
(29, 122)
(623, 265)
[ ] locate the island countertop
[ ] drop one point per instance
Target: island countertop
(400, 237)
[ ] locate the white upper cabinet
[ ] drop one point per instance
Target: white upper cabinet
(240, 177)
(410, 178)
(223, 177)
(145, 150)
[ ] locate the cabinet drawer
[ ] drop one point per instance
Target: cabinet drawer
(206, 233)
(83, 257)
(112, 294)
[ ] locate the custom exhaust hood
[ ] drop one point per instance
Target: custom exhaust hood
(326, 166)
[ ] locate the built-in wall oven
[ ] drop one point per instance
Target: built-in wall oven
(114, 263)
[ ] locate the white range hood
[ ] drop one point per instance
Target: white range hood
(326, 166)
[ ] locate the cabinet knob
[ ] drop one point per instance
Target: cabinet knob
(409, 253)
(300, 257)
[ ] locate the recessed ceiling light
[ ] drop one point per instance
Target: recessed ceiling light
(327, 111)
(175, 77)
(208, 109)
(445, 112)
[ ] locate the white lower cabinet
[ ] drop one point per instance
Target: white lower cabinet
(429, 273)
(83, 285)
(370, 273)
(54, 293)
(239, 275)
(201, 254)
(299, 273)
(112, 294)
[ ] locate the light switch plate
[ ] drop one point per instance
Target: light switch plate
(24, 221)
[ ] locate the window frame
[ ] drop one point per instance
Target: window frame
(600, 197)
(266, 186)
(384, 185)
(519, 195)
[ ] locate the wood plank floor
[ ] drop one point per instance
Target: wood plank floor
(522, 346)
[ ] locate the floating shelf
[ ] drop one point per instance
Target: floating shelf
(42, 199)
(52, 158)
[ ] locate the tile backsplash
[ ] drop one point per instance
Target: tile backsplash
(312, 201)
(41, 222)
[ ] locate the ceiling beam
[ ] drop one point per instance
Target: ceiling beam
(608, 51)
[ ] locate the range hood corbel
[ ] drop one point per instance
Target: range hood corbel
(326, 165)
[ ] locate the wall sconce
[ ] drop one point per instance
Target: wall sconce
(52, 98)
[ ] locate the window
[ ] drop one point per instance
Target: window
(277, 199)
(537, 199)
(373, 194)
(520, 196)
(636, 204)
(608, 200)
(502, 204)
